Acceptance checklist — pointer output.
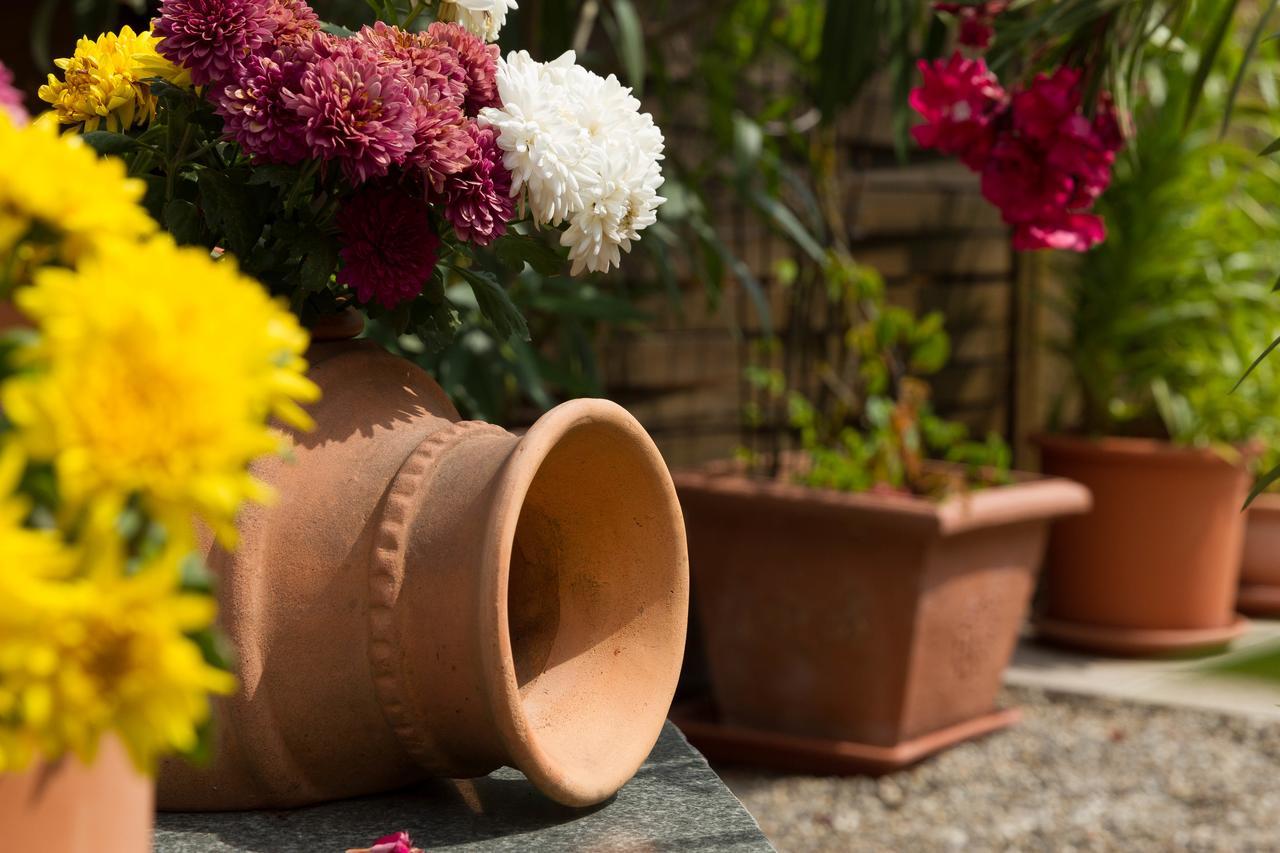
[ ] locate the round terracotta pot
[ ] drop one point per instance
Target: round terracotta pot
(429, 597)
(1154, 566)
(67, 806)
(1260, 568)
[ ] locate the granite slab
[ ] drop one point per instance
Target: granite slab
(675, 802)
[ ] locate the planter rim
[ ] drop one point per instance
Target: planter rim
(1030, 497)
(1126, 450)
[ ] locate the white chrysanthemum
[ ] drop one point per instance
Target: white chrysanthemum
(579, 148)
(543, 146)
(482, 17)
(616, 207)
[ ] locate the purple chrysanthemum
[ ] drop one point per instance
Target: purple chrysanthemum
(479, 61)
(355, 110)
(292, 21)
(435, 72)
(11, 102)
(442, 144)
(254, 111)
(211, 37)
(477, 201)
(389, 248)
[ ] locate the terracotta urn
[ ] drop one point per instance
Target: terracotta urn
(435, 597)
(67, 806)
(857, 632)
(1155, 566)
(1260, 567)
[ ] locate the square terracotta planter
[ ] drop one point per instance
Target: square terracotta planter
(858, 632)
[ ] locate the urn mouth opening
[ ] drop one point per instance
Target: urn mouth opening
(587, 556)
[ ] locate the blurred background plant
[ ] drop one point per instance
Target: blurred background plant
(878, 431)
(1165, 317)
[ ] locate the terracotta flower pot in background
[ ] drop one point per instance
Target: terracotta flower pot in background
(434, 597)
(66, 806)
(857, 632)
(1154, 567)
(1260, 568)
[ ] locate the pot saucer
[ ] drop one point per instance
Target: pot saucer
(1139, 642)
(1258, 599)
(732, 744)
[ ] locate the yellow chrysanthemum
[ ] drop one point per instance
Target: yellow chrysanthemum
(103, 651)
(155, 373)
(104, 84)
(61, 194)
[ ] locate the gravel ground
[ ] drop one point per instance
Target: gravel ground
(1079, 773)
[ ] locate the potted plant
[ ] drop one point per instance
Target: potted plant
(1159, 316)
(860, 597)
(374, 175)
(1162, 322)
(129, 409)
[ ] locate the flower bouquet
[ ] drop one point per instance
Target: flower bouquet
(129, 410)
(368, 169)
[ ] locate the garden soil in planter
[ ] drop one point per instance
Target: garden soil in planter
(857, 632)
(1154, 567)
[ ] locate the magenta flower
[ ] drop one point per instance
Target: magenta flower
(477, 200)
(11, 101)
(443, 145)
(254, 111)
(975, 20)
(397, 842)
(435, 71)
(389, 248)
(355, 110)
(478, 59)
(959, 100)
(1074, 232)
(211, 37)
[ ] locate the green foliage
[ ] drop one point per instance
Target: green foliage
(877, 430)
(1168, 313)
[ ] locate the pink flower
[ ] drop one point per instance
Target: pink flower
(389, 248)
(11, 101)
(438, 81)
(478, 59)
(292, 21)
(254, 110)
(1050, 163)
(211, 37)
(397, 842)
(959, 100)
(355, 110)
(975, 20)
(1076, 232)
(477, 201)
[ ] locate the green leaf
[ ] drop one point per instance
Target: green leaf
(1262, 484)
(495, 304)
(231, 210)
(1266, 352)
(274, 175)
(320, 257)
(628, 39)
(1270, 149)
(107, 142)
(1249, 51)
(1208, 55)
(516, 250)
(182, 220)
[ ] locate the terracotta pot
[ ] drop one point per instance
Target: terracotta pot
(1154, 566)
(70, 807)
(866, 630)
(434, 597)
(1260, 568)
